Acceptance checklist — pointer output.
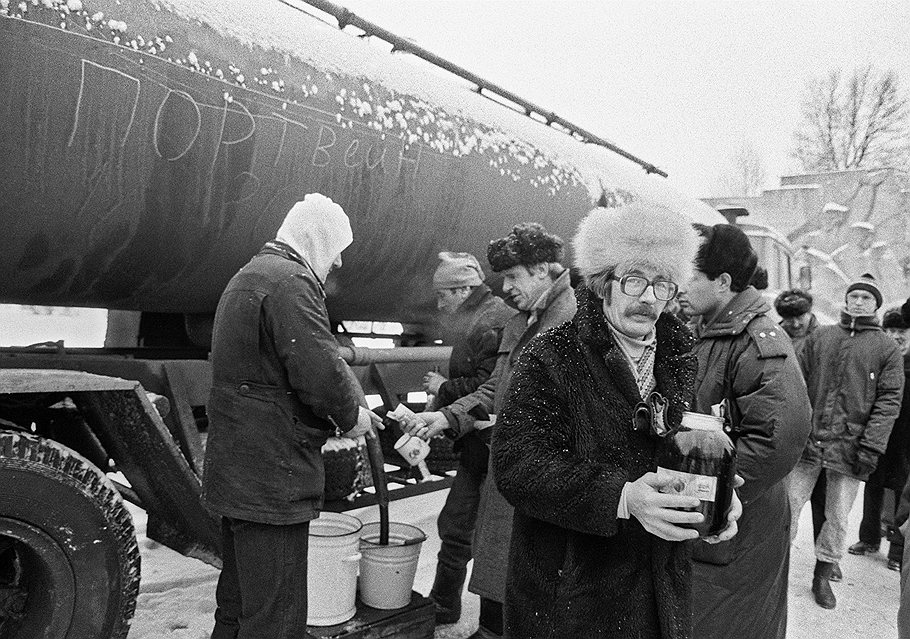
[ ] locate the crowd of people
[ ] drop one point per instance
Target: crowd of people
(555, 498)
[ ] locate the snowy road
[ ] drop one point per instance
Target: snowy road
(176, 599)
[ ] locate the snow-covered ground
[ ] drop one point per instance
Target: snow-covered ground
(177, 596)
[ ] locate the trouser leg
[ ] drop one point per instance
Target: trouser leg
(491, 615)
(271, 568)
(800, 483)
(227, 593)
(841, 493)
(870, 528)
(818, 505)
(456, 529)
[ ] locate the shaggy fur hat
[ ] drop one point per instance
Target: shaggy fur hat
(638, 234)
(528, 244)
(793, 303)
(866, 282)
(457, 270)
(726, 249)
(894, 318)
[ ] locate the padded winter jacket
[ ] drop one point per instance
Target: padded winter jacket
(279, 389)
(739, 587)
(855, 376)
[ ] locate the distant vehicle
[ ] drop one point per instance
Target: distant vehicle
(149, 150)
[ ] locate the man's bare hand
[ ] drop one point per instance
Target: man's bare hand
(736, 511)
(367, 423)
(659, 512)
(432, 381)
(426, 426)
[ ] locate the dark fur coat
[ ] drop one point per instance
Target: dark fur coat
(563, 449)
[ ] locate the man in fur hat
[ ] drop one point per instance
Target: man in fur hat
(279, 390)
(473, 322)
(745, 364)
(529, 260)
(596, 546)
(797, 319)
(855, 375)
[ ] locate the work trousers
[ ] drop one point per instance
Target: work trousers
(262, 590)
(841, 492)
(456, 530)
(870, 528)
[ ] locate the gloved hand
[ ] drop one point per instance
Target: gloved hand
(866, 462)
(657, 512)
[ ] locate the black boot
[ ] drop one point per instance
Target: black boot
(836, 574)
(821, 585)
(446, 594)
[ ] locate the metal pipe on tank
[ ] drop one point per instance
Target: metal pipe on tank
(359, 356)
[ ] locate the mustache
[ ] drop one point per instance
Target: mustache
(640, 309)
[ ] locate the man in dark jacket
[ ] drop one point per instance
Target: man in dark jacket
(279, 390)
(893, 467)
(745, 363)
(529, 260)
(855, 376)
(473, 322)
(595, 548)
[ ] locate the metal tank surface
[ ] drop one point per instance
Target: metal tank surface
(150, 148)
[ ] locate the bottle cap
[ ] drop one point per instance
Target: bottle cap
(700, 421)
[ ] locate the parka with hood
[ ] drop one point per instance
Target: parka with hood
(740, 587)
(279, 386)
(855, 376)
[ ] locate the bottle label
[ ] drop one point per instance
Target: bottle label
(702, 486)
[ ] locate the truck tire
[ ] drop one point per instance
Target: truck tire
(69, 563)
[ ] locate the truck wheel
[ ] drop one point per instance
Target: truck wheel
(69, 563)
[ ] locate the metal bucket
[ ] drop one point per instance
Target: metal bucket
(333, 560)
(387, 572)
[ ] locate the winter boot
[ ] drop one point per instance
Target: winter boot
(862, 548)
(446, 594)
(821, 586)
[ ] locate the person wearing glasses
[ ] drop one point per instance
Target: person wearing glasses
(747, 366)
(596, 544)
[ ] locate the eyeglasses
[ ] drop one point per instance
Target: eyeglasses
(636, 285)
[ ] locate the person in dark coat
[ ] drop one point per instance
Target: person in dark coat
(529, 260)
(279, 390)
(795, 309)
(855, 376)
(894, 466)
(474, 320)
(597, 549)
(747, 364)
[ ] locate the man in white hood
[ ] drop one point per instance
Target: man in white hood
(280, 389)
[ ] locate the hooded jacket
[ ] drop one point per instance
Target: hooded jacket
(563, 449)
(740, 586)
(279, 390)
(855, 376)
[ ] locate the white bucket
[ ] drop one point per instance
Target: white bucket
(332, 564)
(387, 572)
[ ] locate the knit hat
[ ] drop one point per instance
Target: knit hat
(793, 303)
(528, 244)
(866, 282)
(726, 249)
(318, 229)
(894, 318)
(457, 270)
(640, 234)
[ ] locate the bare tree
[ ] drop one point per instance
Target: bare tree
(859, 121)
(744, 174)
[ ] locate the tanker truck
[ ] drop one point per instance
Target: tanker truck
(148, 149)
